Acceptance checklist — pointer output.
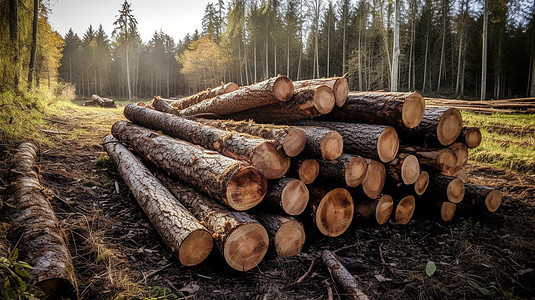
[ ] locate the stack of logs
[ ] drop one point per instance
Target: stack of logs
(213, 166)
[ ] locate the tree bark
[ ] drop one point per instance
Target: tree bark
(274, 90)
(34, 42)
(471, 136)
(306, 169)
(484, 51)
(380, 208)
(235, 183)
(439, 159)
(14, 38)
(339, 85)
(405, 209)
(384, 108)
(445, 188)
(404, 169)
(342, 275)
(395, 51)
(322, 143)
(331, 209)
(261, 153)
(161, 105)
(204, 95)
(286, 234)
(289, 194)
(482, 196)
(241, 240)
(42, 242)
(348, 169)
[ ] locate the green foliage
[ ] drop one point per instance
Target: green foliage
(470, 229)
(104, 161)
(15, 278)
(430, 268)
(159, 292)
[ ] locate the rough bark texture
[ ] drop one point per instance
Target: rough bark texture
(404, 169)
(394, 109)
(261, 153)
(96, 100)
(322, 143)
(204, 95)
(260, 94)
(405, 209)
(235, 183)
(339, 85)
(187, 238)
(370, 141)
(380, 209)
(471, 136)
(445, 188)
(306, 103)
(306, 169)
(442, 160)
(482, 196)
(163, 106)
(286, 234)
(331, 210)
(289, 194)
(375, 179)
(42, 241)
(439, 127)
(241, 240)
(348, 169)
(342, 276)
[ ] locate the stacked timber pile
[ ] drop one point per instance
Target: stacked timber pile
(263, 164)
(96, 100)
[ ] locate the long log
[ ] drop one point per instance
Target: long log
(289, 194)
(235, 183)
(261, 153)
(439, 127)
(96, 100)
(348, 169)
(339, 85)
(394, 109)
(374, 180)
(331, 210)
(188, 239)
(260, 94)
(404, 169)
(42, 242)
(240, 238)
(380, 208)
(286, 234)
(482, 196)
(439, 159)
(405, 209)
(322, 143)
(204, 95)
(342, 276)
(445, 188)
(307, 169)
(471, 136)
(371, 141)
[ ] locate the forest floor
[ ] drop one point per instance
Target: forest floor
(118, 254)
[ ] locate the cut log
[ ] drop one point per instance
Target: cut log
(479, 196)
(261, 153)
(286, 234)
(306, 169)
(371, 141)
(161, 105)
(342, 276)
(447, 210)
(188, 239)
(260, 94)
(235, 183)
(96, 100)
(404, 169)
(439, 127)
(339, 85)
(405, 209)
(204, 95)
(288, 194)
(446, 188)
(461, 173)
(394, 109)
(348, 169)
(471, 136)
(331, 210)
(241, 240)
(442, 160)
(375, 179)
(322, 143)
(380, 208)
(421, 184)
(461, 152)
(306, 103)
(292, 139)
(434, 208)
(42, 242)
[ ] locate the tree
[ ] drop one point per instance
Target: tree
(484, 52)
(34, 42)
(395, 50)
(126, 27)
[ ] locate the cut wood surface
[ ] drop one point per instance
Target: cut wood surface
(445, 188)
(348, 169)
(261, 153)
(307, 169)
(439, 159)
(471, 136)
(447, 210)
(421, 184)
(241, 240)
(203, 95)
(385, 108)
(439, 127)
(260, 94)
(405, 209)
(404, 169)
(322, 143)
(482, 196)
(342, 276)
(370, 141)
(234, 182)
(289, 194)
(181, 231)
(331, 209)
(461, 152)
(380, 209)
(375, 179)
(339, 85)
(286, 234)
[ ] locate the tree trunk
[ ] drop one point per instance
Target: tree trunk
(482, 196)
(339, 85)
(161, 105)
(380, 208)
(404, 169)
(187, 238)
(370, 141)
(442, 160)
(322, 143)
(425, 57)
(394, 109)
(262, 154)
(484, 51)
(289, 194)
(241, 240)
(445, 188)
(471, 136)
(235, 183)
(274, 90)
(306, 169)
(286, 234)
(404, 210)
(204, 95)
(348, 169)
(395, 51)
(14, 38)
(375, 179)
(342, 275)
(442, 58)
(331, 210)
(34, 42)
(42, 242)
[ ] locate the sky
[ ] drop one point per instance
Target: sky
(175, 17)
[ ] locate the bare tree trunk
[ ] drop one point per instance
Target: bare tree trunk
(34, 42)
(395, 51)
(425, 58)
(484, 52)
(443, 46)
(14, 38)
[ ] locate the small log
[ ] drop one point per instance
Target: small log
(461, 152)
(331, 210)
(260, 94)
(479, 196)
(434, 208)
(471, 136)
(421, 184)
(286, 234)
(393, 109)
(381, 208)
(461, 173)
(289, 194)
(375, 179)
(339, 85)
(306, 169)
(442, 160)
(405, 209)
(322, 143)
(447, 210)
(241, 240)
(96, 100)
(187, 238)
(439, 127)
(446, 188)
(350, 169)
(204, 95)
(42, 242)
(161, 105)
(235, 183)
(342, 275)
(404, 169)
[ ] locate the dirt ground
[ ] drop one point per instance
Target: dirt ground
(117, 253)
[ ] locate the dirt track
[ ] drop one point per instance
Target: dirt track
(116, 250)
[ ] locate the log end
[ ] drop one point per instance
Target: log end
(332, 145)
(341, 90)
(447, 210)
(493, 200)
(231, 87)
(455, 190)
(375, 178)
(420, 186)
(246, 188)
(388, 144)
(58, 288)
(384, 208)
(324, 99)
(472, 137)
(335, 212)
(283, 88)
(195, 247)
(413, 110)
(309, 170)
(355, 171)
(461, 152)
(289, 239)
(410, 169)
(449, 126)
(405, 210)
(294, 142)
(447, 161)
(246, 246)
(270, 161)
(294, 197)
